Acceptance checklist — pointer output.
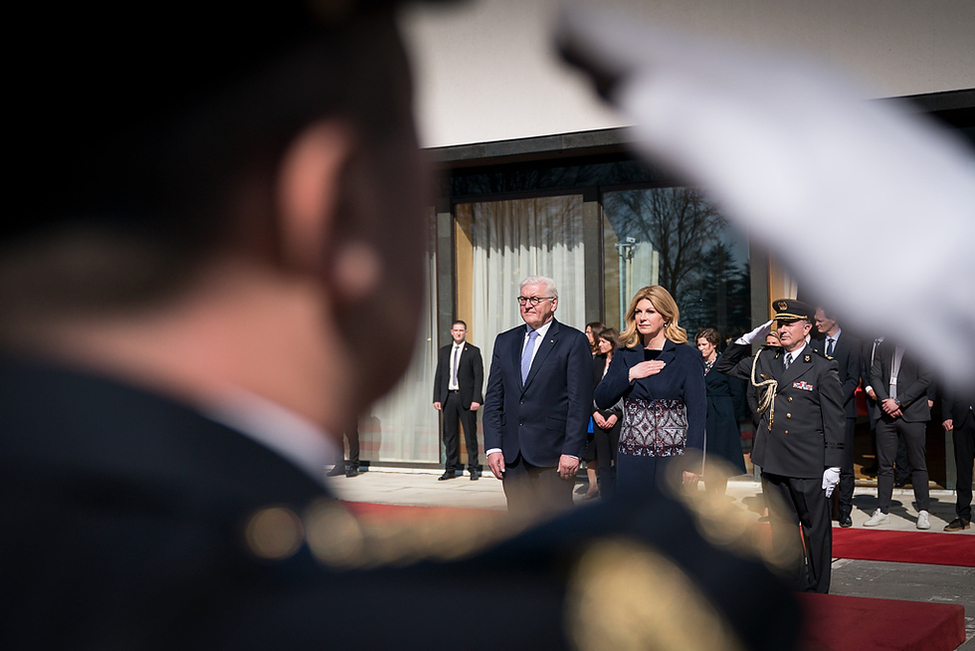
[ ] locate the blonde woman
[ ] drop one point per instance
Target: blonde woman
(661, 381)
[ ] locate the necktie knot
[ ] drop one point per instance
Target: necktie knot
(788, 360)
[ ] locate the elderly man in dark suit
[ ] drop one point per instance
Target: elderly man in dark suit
(538, 404)
(901, 384)
(845, 349)
(799, 442)
(457, 386)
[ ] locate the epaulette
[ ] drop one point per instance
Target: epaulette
(818, 352)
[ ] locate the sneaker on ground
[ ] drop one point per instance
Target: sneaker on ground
(878, 518)
(923, 522)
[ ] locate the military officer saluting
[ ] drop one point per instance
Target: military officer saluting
(799, 442)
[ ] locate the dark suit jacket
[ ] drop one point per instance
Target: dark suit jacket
(470, 375)
(957, 407)
(128, 523)
(847, 355)
(807, 432)
(866, 366)
(549, 415)
(598, 366)
(913, 381)
(726, 404)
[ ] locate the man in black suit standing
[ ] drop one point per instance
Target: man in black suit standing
(538, 404)
(959, 419)
(901, 385)
(457, 395)
(799, 443)
(845, 349)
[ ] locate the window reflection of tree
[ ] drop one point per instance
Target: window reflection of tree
(692, 259)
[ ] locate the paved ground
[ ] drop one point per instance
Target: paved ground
(908, 581)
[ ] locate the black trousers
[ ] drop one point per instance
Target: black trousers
(847, 476)
(801, 529)
(888, 431)
(352, 436)
(963, 437)
(902, 463)
(454, 411)
(607, 442)
(532, 490)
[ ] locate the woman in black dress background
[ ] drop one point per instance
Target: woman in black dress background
(593, 328)
(725, 398)
(606, 422)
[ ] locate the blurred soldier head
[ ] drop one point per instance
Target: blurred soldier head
(217, 196)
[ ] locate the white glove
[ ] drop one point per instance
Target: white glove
(831, 477)
(760, 331)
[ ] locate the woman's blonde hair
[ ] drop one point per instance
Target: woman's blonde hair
(663, 303)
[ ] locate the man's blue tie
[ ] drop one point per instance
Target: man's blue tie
(526, 355)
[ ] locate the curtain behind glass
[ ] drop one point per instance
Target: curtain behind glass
(515, 239)
(403, 426)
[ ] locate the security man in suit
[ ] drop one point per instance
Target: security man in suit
(538, 404)
(959, 419)
(800, 440)
(902, 385)
(457, 394)
(845, 349)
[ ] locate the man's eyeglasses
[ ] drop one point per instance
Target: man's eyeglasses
(534, 300)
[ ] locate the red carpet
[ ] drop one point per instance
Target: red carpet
(904, 546)
(835, 623)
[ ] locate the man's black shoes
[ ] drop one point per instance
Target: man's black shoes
(343, 469)
(475, 474)
(958, 524)
(845, 520)
(450, 474)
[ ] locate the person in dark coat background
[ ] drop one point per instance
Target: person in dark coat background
(845, 349)
(606, 422)
(726, 396)
(959, 419)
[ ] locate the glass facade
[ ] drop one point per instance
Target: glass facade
(675, 238)
(601, 229)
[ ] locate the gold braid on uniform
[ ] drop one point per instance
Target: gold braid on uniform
(766, 399)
